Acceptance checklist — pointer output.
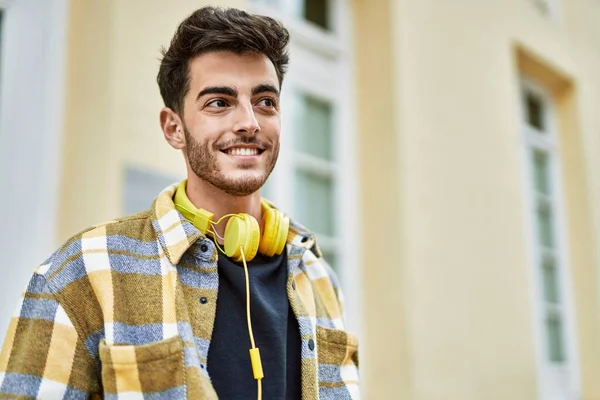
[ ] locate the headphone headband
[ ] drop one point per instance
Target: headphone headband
(270, 236)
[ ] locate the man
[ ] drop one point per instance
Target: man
(213, 292)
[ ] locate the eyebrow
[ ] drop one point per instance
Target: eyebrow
(232, 92)
(265, 88)
(225, 90)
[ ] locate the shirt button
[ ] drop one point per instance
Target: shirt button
(204, 248)
(203, 300)
(311, 344)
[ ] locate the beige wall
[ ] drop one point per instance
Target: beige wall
(454, 268)
(385, 365)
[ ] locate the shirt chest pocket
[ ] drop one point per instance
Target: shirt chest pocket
(156, 368)
(337, 352)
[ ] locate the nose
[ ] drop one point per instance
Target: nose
(246, 123)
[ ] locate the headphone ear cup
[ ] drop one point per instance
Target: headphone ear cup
(242, 230)
(275, 226)
(269, 227)
(282, 235)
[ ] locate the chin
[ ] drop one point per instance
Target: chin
(240, 174)
(242, 184)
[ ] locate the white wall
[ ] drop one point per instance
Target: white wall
(31, 109)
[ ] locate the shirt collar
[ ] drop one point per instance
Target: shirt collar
(176, 234)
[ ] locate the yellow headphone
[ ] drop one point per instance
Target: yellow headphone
(242, 241)
(242, 230)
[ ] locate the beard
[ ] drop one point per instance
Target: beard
(204, 163)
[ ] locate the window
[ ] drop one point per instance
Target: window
(309, 162)
(315, 178)
(315, 171)
(316, 12)
(554, 321)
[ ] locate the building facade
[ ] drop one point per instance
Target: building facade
(453, 147)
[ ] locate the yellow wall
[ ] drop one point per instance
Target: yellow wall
(454, 269)
(385, 368)
(86, 158)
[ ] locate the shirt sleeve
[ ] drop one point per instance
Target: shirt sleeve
(43, 355)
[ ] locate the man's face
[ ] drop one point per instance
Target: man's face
(231, 120)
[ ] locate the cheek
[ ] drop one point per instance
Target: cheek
(271, 127)
(206, 131)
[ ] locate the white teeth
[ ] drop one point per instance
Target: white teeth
(242, 152)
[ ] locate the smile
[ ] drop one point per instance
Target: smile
(243, 151)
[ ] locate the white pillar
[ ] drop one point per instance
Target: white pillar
(32, 88)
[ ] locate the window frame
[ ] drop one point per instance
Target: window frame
(555, 378)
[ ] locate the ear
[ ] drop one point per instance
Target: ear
(172, 127)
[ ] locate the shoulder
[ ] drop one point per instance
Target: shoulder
(322, 277)
(85, 251)
(317, 266)
(303, 239)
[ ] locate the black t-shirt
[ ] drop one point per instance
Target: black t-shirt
(275, 329)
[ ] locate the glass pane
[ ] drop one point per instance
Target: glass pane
(550, 276)
(314, 202)
(316, 11)
(535, 111)
(554, 328)
(541, 170)
(313, 127)
(545, 225)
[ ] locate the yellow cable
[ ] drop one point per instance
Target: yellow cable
(254, 352)
(259, 389)
(217, 243)
(247, 298)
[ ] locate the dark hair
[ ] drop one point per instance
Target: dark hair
(218, 29)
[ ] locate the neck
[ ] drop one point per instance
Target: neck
(206, 196)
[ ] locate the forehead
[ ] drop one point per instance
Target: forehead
(224, 68)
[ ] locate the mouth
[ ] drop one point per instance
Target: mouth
(243, 151)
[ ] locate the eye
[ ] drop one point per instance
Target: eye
(267, 102)
(217, 103)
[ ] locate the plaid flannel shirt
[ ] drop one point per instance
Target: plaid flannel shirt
(115, 313)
